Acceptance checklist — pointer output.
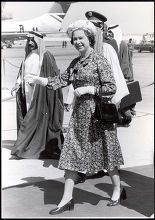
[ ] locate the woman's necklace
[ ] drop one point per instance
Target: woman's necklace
(82, 59)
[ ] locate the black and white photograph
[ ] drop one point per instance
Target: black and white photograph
(77, 109)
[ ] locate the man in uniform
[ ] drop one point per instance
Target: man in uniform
(108, 47)
(119, 60)
(99, 21)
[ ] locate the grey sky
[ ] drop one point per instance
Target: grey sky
(133, 17)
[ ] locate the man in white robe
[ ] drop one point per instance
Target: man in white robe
(39, 109)
(110, 54)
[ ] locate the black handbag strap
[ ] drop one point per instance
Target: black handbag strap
(101, 84)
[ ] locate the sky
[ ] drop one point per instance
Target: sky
(133, 17)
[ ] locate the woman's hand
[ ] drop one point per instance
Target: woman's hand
(84, 90)
(32, 79)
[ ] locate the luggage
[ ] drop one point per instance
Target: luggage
(134, 96)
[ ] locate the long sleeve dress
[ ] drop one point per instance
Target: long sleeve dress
(89, 145)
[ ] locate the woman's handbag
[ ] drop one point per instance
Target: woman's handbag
(106, 112)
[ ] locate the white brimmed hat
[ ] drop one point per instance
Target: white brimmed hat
(81, 24)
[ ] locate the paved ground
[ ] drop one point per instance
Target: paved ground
(36, 186)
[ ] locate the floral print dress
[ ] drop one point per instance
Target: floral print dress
(89, 145)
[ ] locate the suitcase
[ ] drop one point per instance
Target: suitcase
(134, 96)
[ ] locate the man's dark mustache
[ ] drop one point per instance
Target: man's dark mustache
(31, 45)
(32, 42)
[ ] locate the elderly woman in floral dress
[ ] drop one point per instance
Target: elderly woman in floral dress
(89, 145)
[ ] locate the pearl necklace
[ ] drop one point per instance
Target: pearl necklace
(82, 59)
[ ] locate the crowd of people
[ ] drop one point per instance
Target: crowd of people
(90, 147)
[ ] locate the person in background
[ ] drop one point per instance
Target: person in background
(108, 39)
(39, 110)
(102, 31)
(130, 52)
(130, 47)
(123, 52)
(108, 47)
(125, 59)
(64, 44)
(89, 145)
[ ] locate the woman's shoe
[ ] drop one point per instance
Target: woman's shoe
(118, 201)
(68, 206)
(81, 178)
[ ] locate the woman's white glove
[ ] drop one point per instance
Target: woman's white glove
(84, 90)
(33, 79)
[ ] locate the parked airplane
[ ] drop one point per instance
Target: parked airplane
(46, 23)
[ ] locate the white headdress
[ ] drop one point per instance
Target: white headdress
(41, 45)
(116, 30)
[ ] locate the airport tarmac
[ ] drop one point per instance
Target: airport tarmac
(30, 188)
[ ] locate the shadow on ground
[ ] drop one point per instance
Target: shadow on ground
(139, 189)
(54, 196)
(140, 192)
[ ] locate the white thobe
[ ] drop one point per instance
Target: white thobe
(122, 89)
(31, 66)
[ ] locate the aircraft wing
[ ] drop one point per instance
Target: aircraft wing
(47, 23)
(62, 36)
(12, 36)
